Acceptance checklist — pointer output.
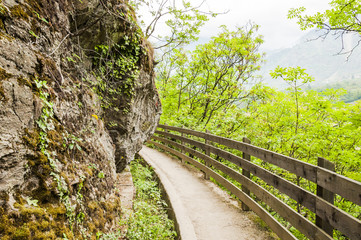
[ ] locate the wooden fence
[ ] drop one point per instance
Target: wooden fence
(189, 144)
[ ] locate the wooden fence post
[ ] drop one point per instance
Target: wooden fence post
(182, 134)
(206, 175)
(246, 174)
(326, 195)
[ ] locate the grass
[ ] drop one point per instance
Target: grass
(149, 219)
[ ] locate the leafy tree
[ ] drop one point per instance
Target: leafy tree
(296, 77)
(182, 21)
(327, 128)
(351, 87)
(342, 18)
(211, 78)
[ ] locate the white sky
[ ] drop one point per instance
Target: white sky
(271, 15)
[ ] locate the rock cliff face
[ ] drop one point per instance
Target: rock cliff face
(77, 101)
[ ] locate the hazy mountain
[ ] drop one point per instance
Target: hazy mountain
(319, 57)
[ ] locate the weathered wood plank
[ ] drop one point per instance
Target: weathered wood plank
(343, 186)
(345, 223)
(246, 173)
(302, 169)
(326, 195)
(280, 230)
(206, 176)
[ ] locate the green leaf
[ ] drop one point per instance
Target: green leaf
(101, 175)
(32, 202)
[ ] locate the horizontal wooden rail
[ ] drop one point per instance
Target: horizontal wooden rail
(295, 192)
(326, 212)
(345, 187)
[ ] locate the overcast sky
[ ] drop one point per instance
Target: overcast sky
(271, 15)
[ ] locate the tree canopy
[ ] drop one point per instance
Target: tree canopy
(182, 20)
(213, 76)
(341, 19)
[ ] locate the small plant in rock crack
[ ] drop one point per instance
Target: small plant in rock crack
(80, 187)
(46, 123)
(71, 141)
(32, 202)
(70, 59)
(40, 18)
(92, 166)
(33, 34)
(101, 175)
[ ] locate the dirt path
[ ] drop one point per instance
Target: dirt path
(208, 212)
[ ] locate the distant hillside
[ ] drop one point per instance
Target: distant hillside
(320, 59)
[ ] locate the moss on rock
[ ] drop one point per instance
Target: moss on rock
(3, 76)
(68, 159)
(18, 11)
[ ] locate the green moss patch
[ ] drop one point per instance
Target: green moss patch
(29, 222)
(3, 76)
(18, 12)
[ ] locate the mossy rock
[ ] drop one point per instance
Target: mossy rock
(3, 76)
(18, 11)
(42, 222)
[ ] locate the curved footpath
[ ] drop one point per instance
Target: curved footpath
(202, 210)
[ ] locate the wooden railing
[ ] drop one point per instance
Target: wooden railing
(198, 148)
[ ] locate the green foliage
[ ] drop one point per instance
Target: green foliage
(352, 89)
(324, 128)
(33, 34)
(341, 19)
(101, 175)
(182, 20)
(211, 79)
(117, 68)
(92, 166)
(109, 236)
(149, 220)
(70, 141)
(343, 15)
(293, 75)
(70, 59)
(207, 88)
(45, 123)
(32, 202)
(40, 18)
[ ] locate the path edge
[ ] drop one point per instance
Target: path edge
(176, 210)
